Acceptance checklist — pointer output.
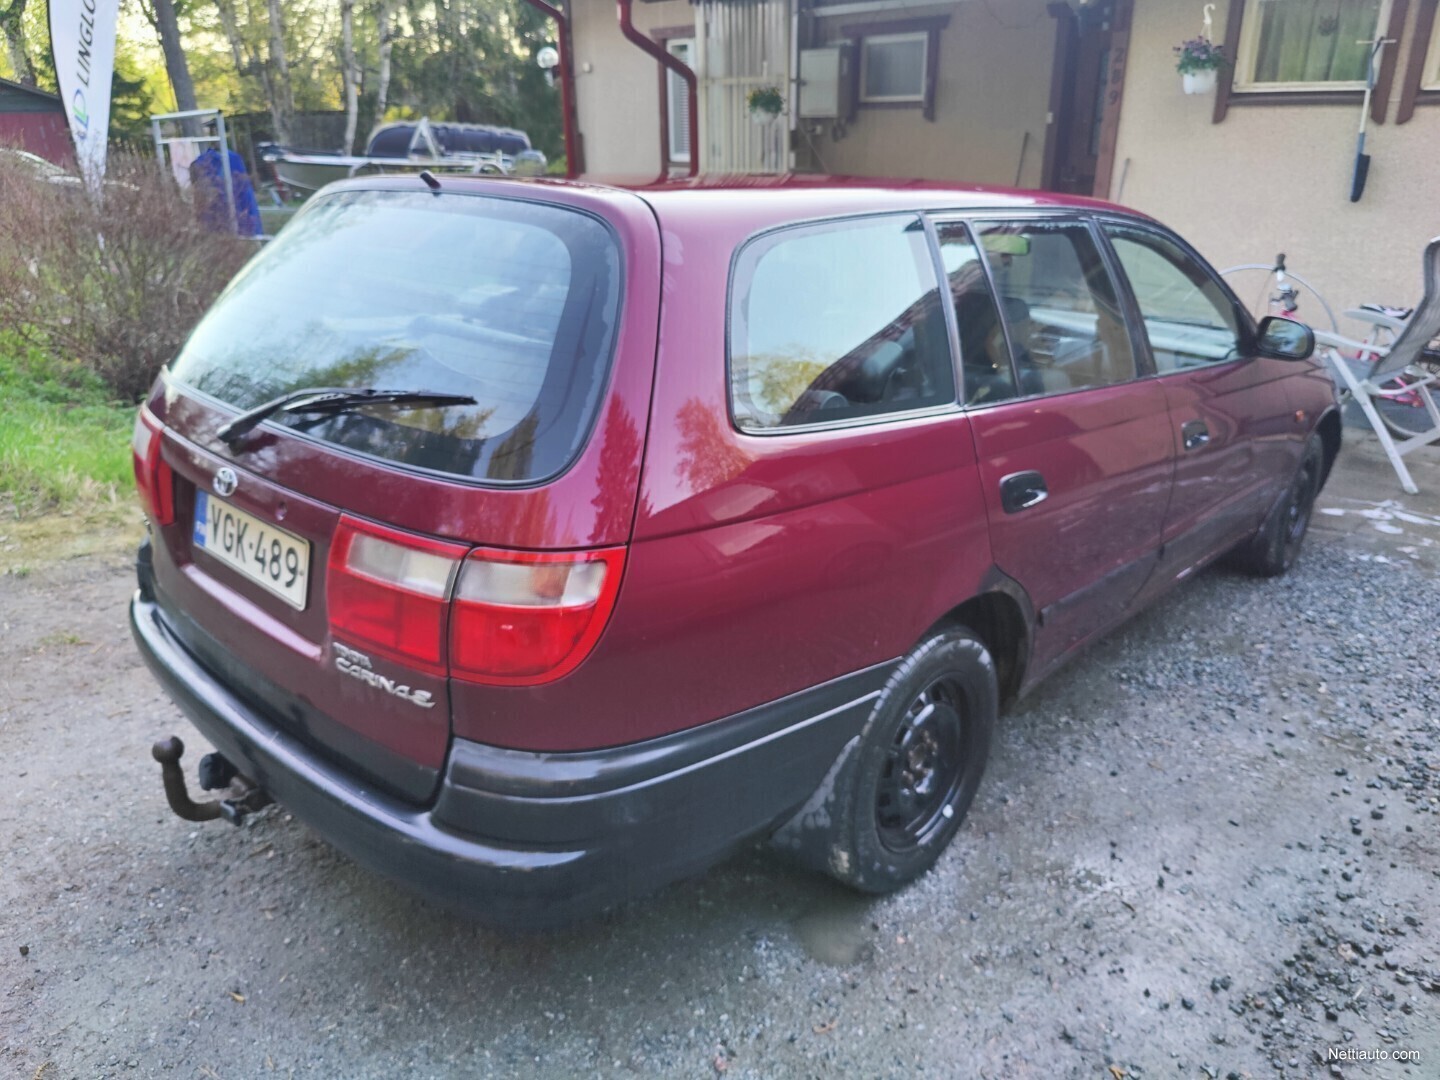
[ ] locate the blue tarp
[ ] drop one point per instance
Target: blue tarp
(207, 176)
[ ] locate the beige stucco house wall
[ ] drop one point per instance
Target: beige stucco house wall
(993, 87)
(617, 89)
(1264, 180)
(1276, 178)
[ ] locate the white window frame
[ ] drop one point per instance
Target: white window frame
(673, 82)
(1250, 46)
(1430, 75)
(918, 98)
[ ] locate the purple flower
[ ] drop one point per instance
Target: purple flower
(1199, 54)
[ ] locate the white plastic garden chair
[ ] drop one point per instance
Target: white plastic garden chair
(1399, 358)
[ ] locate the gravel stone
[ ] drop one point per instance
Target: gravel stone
(139, 926)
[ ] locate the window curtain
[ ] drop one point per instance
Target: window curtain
(1314, 41)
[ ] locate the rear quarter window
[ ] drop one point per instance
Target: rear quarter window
(510, 302)
(837, 322)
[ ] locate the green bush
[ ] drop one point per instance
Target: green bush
(114, 282)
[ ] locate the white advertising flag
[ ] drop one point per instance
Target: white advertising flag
(82, 35)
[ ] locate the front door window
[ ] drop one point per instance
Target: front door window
(1188, 318)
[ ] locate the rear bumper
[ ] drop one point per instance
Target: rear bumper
(528, 839)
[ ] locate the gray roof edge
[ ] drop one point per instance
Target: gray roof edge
(8, 85)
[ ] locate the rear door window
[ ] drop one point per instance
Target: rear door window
(1059, 303)
(510, 302)
(837, 322)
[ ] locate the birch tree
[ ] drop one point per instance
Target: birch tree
(350, 73)
(382, 90)
(283, 109)
(12, 29)
(248, 60)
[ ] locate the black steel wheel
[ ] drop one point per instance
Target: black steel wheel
(905, 784)
(916, 787)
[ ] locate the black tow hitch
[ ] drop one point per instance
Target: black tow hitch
(215, 772)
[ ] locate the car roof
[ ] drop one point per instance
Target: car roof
(726, 209)
(781, 199)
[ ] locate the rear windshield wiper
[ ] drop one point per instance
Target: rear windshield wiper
(319, 400)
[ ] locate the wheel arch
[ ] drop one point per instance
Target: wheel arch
(1002, 615)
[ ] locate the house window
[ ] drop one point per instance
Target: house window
(1430, 77)
(897, 64)
(893, 68)
(1307, 44)
(677, 101)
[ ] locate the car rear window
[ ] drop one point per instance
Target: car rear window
(513, 303)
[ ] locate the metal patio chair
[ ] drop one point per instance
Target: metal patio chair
(1392, 352)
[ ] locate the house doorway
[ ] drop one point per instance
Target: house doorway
(1092, 40)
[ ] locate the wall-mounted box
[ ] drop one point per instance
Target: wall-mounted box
(824, 82)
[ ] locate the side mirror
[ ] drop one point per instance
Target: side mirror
(1285, 339)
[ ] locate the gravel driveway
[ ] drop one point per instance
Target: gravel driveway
(1209, 848)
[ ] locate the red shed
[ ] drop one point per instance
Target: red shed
(34, 120)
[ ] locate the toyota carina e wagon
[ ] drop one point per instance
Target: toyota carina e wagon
(538, 543)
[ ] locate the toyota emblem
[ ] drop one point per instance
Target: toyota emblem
(225, 482)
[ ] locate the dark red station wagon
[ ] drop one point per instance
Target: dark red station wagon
(539, 543)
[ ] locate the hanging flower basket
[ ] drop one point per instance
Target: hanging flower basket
(1198, 60)
(1198, 82)
(765, 103)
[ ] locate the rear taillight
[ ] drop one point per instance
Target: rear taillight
(388, 590)
(153, 478)
(511, 618)
(522, 618)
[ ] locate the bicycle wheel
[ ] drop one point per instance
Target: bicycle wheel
(1404, 413)
(1258, 281)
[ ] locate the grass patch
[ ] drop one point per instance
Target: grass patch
(63, 444)
(34, 544)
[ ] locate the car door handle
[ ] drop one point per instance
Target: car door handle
(1195, 434)
(1022, 490)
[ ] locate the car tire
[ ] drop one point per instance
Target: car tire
(1275, 547)
(903, 787)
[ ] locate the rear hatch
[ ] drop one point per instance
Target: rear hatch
(338, 568)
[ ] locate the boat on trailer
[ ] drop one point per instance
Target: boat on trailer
(411, 146)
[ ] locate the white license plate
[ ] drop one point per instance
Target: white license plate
(269, 556)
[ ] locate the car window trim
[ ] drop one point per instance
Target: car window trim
(954, 406)
(947, 307)
(1145, 364)
(927, 412)
(934, 223)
